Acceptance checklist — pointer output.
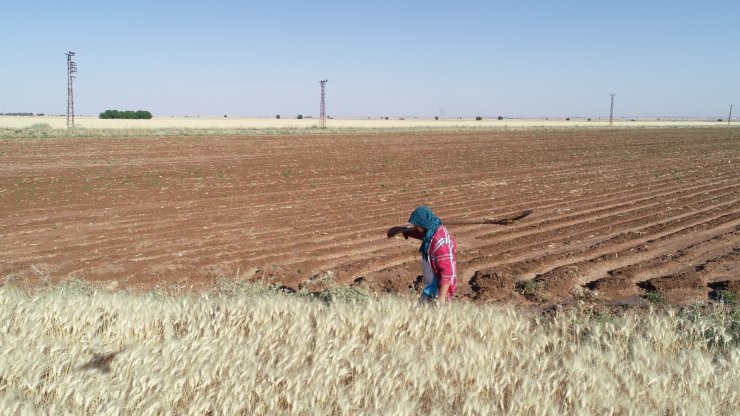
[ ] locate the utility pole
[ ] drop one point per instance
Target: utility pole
(611, 110)
(730, 116)
(322, 110)
(71, 74)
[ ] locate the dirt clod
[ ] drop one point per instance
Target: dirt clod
(495, 284)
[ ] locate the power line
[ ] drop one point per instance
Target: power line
(9, 61)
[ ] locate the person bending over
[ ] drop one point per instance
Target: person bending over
(438, 254)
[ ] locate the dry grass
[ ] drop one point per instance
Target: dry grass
(51, 128)
(292, 123)
(72, 350)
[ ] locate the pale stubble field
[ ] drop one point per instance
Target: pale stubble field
(210, 122)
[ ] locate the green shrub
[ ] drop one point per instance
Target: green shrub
(654, 297)
(526, 287)
(727, 296)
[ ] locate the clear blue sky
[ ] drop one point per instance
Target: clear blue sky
(382, 58)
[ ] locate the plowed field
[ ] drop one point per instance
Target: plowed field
(618, 212)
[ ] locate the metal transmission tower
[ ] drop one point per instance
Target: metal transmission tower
(730, 116)
(611, 110)
(322, 111)
(71, 74)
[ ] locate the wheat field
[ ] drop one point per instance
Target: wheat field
(72, 349)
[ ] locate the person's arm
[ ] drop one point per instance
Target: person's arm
(444, 258)
(442, 292)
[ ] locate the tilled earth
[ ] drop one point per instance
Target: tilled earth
(618, 214)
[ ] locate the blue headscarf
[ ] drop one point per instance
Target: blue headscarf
(425, 218)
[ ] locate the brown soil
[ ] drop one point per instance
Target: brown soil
(618, 212)
(496, 284)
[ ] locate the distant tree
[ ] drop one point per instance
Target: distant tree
(436, 117)
(300, 117)
(277, 116)
(21, 114)
(500, 118)
(128, 114)
(478, 118)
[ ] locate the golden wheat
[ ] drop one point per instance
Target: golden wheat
(99, 353)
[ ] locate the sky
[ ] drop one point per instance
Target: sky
(381, 58)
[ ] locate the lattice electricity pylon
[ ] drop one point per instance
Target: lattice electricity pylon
(322, 110)
(611, 110)
(71, 74)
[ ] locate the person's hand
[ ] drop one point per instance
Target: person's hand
(413, 231)
(393, 231)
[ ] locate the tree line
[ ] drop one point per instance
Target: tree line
(128, 114)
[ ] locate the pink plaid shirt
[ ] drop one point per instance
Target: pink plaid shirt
(442, 257)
